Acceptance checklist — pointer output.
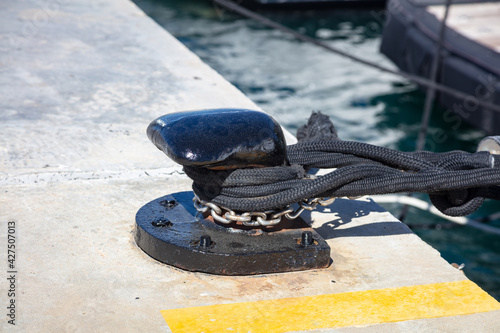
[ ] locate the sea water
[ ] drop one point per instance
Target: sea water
(289, 79)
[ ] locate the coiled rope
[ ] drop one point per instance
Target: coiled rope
(457, 182)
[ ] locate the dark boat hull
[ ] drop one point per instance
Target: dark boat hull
(409, 40)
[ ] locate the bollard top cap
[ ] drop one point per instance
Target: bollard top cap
(220, 138)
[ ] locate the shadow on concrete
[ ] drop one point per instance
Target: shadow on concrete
(347, 211)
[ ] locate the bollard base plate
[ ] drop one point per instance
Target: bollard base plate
(170, 230)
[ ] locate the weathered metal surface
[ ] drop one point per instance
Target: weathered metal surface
(169, 230)
(220, 138)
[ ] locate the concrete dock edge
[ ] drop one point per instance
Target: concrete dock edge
(79, 83)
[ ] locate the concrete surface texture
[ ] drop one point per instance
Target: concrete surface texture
(79, 83)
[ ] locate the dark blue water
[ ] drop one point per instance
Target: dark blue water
(289, 79)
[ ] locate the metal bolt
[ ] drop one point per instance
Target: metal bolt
(162, 223)
(168, 204)
(205, 241)
(307, 238)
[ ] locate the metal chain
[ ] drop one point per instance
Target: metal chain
(254, 219)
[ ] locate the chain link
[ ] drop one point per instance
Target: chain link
(255, 219)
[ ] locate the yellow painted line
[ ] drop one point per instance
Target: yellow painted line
(335, 310)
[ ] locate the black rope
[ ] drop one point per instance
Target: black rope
(455, 191)
(457, 182)
(418, 79)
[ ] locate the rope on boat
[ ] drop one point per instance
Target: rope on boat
(417, 79)
(431, 91)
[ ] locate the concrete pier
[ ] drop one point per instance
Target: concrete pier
(79, 83)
